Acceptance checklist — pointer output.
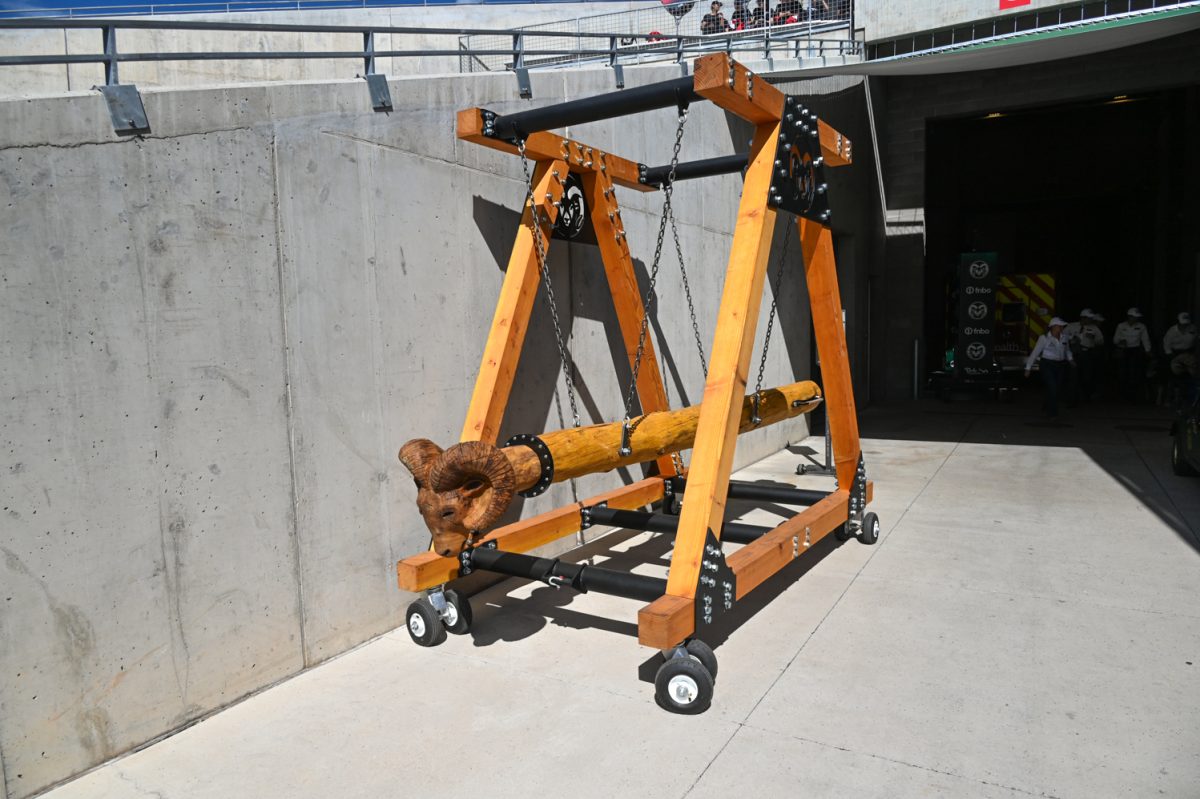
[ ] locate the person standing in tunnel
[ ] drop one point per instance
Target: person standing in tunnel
(1131, 342)
(1052, 354)
(1088, 350)
(1179, 352)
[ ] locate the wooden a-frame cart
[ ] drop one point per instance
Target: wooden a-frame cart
(781, 126)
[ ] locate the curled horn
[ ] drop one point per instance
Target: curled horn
(479, 470)
(418, 457)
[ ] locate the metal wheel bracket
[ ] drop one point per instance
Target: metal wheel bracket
(717, 588)
(545, 458)
(858, 497)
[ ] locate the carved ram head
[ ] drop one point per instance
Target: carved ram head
(461, 491)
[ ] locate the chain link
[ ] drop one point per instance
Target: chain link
(540, 247)
(687, 292)
(648, 302)
(762, 364)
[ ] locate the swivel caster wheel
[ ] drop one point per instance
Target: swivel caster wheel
(683, 686)
(869, 533)
(842, 532)
(457, 616)
(702, 653)
(424, 624)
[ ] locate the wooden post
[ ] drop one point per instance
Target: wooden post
(712, 456)
(627, 300)
(820, 270)
(517, 294)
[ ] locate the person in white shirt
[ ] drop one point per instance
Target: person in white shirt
(1087, 345)
(1179, 347)
(1131, 340)
(1052, 353)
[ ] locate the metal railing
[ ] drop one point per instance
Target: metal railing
(651, 32)
(520, 50)
(1087, 12)
(200, 7)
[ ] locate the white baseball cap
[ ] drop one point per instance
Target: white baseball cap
(1134, 312)
(1057, 321)
(1185, 318)
(1086, 313)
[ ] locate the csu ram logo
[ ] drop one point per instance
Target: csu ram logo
(979, 269)
(977, 310)
(976, 350)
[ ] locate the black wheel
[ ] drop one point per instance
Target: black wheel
(1178, 464)
(683, 686)
(424, 624)
(703, 653)
(869, 533)
(458, 616)
(842, 533)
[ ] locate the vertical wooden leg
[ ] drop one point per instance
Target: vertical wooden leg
(721, 407)
(627, 299)
(820, 270)
(503, 349)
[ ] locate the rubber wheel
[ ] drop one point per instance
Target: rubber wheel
(870, 529)
(683, 686)
(423, 623)
(703, 653)
(842, 533)
(1178, 464)
(458, 616)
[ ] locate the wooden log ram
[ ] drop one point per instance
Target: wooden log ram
(464, 490)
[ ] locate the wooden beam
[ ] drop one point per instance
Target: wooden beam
(820, 271)
(736, 89)
(757, 561)
(721, 406)
(601, 198)
(428, 569)
(835, 148)
(668, 620)
(502, 352)
(542, 146)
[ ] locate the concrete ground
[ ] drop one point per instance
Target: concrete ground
(1028, 624)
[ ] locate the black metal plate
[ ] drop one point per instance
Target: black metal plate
(381, 95)
(716, 590)
(126, 109)
(798, 182)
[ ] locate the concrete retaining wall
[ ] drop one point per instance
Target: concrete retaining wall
(36, 81)
(213, 340)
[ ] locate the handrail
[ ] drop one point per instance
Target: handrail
(611, 49)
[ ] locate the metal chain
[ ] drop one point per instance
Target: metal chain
(762, 364)
(540, 247)
(648, 302)
(687, 292)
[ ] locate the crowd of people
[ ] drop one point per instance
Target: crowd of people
(1077, 363)
(788, 12)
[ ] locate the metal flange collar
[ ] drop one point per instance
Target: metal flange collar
(544, 458)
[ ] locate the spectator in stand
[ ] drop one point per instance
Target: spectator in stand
(788, 12)
(818, 9)
(741, 15)
(714, 21)
(759, 16)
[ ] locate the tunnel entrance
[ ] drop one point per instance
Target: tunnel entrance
(1097, 200)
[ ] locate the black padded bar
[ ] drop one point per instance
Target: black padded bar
(781, 494)
(592, 109)
(689, 170)
(581, 577)
(733, 532)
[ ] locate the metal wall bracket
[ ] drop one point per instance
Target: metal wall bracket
(524, 87)
(798, 182)
(126, 109)
(381, 95)
(619, 74)
(717, 589)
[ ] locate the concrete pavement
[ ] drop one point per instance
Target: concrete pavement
(1028, 624)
